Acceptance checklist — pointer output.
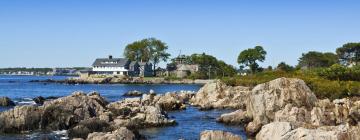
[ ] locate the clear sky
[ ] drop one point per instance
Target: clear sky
(60, 33)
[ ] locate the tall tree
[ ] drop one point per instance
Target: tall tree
(250, 57)
(157, 50)
(315, 59)
(150, 49)
(137, 51)
(349, 53)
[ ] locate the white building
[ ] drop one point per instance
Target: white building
(119, 66)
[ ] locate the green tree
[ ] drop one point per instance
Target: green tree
(284, 67)
(150, 49)
(137, 51)
(250, 57)
(315, 59)
(349, 53)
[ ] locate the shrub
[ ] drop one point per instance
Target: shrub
(339, 72)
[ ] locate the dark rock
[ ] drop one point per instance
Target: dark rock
(134, 93)
(5, 101)
(39, 100)
(88, 126)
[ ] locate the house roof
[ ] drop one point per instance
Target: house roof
(113, 62)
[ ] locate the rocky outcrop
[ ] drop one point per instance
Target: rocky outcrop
(82, 114)
(285, 131)
(65, 112)
(294, 112)
(53, 115)
(217, 94)
(5, 101)
(268, 98)
(218, 135)
(20, 119)
(120, 134)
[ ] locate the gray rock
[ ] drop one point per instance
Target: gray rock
(268, 98)
(20, 119)
(57, 114)
(217, 94)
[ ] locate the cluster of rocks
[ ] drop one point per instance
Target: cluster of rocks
(284, 108)
(82, 114)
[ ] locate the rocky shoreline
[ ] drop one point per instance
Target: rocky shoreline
(82, 114)
(114, 80)
(284, 108)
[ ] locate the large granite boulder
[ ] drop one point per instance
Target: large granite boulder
(217, 94)
(20, 119)
(5, 101)
(64, 112)
(268, 98)
(218, 135)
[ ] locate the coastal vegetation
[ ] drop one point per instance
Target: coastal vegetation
(327, 74)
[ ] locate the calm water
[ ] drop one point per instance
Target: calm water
(190, 122)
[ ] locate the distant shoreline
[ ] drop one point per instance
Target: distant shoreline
(112, 80)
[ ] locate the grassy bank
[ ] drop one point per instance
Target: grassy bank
(322, 87)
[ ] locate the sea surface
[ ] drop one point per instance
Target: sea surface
(191, 122)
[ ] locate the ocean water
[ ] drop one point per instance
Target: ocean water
(190, 121)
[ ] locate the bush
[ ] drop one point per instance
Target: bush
(339, 72)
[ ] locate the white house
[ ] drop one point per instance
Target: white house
(119, 66)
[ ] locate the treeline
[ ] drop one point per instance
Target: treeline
(26, 69)
(330, 75)
(155, 51)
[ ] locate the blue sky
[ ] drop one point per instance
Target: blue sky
(59, 33)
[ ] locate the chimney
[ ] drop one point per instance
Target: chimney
(110, 57)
